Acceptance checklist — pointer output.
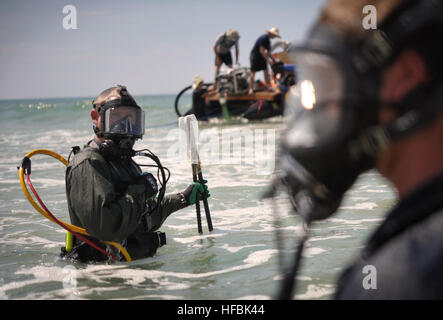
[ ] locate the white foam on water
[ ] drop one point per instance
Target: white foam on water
(303, 278)
(361, 206)
(156, 297)
(379, 190)
(315, 291)
(354, 222)
(181, 227)
(254, 259)
(245, 219)
(196, 238)
(47, 182)
(259, 257)
(254, 297)
(41, 274)
(328, 238)
(279, 277)
(233, 249)
(134, 277)
(58, 137)
(23, 240)
(13, 220)
(310, 252)
(44, 274)
(10, 181)
(357, 198)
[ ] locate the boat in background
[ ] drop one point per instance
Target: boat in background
(231, 97)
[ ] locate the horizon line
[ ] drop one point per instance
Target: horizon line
(79, 97)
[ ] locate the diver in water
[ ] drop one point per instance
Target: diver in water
(373, 99)
(107, 192)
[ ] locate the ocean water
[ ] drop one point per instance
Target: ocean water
(238, 260)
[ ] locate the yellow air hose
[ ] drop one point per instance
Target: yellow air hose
(48, 216)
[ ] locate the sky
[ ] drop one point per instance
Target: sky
(151, 46)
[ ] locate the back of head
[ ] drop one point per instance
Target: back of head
(233, 34)
(347, 17)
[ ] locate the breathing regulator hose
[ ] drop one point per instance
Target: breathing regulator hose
(25, 171)
(288, 284)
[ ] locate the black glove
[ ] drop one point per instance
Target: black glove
(191, 192)
(150, 183)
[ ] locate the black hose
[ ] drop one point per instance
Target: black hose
(177, 98)
(288, 286)
(161, 170)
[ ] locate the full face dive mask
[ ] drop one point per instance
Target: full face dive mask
(325, 112)
(122, 120)
(333, 133)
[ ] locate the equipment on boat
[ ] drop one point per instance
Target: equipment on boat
(232, 99)
(234, 81)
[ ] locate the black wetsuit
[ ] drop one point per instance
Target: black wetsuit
(107, 198)
(406, 252)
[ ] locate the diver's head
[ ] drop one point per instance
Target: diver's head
(359, 91)
(117, 117)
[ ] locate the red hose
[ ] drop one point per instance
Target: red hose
(92, 244)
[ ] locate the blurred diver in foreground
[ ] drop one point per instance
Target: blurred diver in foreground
(372, 99)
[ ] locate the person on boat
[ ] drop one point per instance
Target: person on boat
(198, 99)
(222, 49)
(260, 56)
(373, 98)
(107, 192)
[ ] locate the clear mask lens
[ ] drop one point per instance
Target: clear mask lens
(313, 107)
(126, 121)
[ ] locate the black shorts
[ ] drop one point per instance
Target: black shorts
(225, 58)
(258, 63)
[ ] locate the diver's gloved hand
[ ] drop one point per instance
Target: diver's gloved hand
(148, 180)
(191, 192)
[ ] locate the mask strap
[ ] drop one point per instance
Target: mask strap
(97, 131)
(377, 138)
